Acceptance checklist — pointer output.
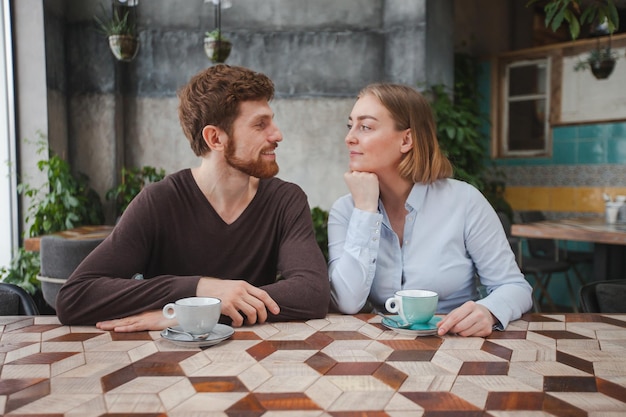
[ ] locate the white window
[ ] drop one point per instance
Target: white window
(526, 109)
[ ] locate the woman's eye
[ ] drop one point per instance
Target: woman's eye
(349, 126)
(364, 127)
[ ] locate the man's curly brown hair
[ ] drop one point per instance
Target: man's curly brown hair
(212, 97)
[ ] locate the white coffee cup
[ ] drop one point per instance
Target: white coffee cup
(195, 315)
(413, 306)
(611, 212)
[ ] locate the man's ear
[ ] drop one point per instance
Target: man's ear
(407, 141)
(212, 137)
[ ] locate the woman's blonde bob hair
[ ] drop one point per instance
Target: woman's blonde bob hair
(425, 162)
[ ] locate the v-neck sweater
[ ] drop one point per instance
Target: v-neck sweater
(170, 236)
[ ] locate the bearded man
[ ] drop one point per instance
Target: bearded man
(227, 228)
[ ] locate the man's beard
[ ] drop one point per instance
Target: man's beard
(255, 168)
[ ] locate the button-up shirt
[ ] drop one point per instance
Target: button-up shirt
(451, 234)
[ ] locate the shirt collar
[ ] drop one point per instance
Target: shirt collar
(416, 197)
(414, 202)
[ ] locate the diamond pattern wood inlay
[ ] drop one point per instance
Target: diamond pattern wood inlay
(557, 365)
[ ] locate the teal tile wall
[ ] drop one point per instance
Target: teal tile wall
(564, 151)
(616, 149)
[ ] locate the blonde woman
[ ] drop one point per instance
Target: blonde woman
(407, 225)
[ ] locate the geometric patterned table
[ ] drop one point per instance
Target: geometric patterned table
(342, 366)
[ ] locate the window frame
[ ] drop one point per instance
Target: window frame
(508, 99)
(500, 82)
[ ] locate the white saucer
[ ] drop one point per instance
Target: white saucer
(219, 333)
(418, 329)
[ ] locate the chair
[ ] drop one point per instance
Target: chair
(59, 257)
(14, 301)
(540, 268)
(604, 296)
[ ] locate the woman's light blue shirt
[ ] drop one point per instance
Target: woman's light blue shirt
(451, 233)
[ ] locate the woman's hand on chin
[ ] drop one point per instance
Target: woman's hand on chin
(364, 188)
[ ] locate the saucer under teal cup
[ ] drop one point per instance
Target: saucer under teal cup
(395, 323)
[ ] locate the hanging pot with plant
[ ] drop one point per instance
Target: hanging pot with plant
(124, 47)
(121, 32)
(600, 61)
(216, 47)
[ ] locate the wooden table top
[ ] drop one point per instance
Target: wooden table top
(84, 232)
(542, 365)
(584, 229)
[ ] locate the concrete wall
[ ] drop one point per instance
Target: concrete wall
(320, 53)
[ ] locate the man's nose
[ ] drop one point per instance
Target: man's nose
(276, 135)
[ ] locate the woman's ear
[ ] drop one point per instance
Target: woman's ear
(211, 135)
(407, 141)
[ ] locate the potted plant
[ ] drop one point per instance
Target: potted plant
(600, 61)
(121, 32)
(133, 181)
(65, 201)
(216, 46)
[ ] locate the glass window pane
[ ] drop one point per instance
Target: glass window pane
(527, 79)
(526, 125)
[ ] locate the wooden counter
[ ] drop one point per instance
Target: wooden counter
(83, 232)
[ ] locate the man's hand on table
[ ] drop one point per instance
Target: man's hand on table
(240, 300)
(470, 319)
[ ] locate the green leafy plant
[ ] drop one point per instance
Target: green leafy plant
(215, 34)
(133, 181)
(320, 226)
(578, 13)
(23, 271)
(595, 58)
(116, 25)
(64, 201)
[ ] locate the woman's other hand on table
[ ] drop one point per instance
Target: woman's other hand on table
(470, 319)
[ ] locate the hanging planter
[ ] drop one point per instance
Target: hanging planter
(124, 47)
(216, 47)
(600, 61)
(121, 32)
(602, 69)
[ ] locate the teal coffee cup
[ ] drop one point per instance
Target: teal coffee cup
(413, 306)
